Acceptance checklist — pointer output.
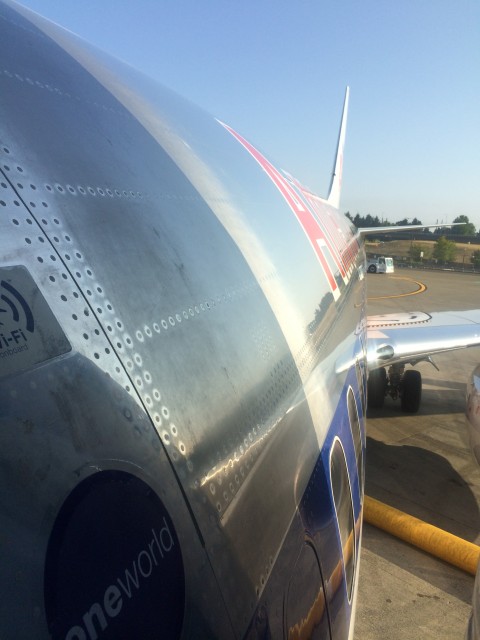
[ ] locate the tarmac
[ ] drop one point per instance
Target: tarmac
(422, 465)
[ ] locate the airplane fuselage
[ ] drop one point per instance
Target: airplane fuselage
(182, 366)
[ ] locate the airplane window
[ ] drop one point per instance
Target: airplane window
(342, 497)
(357, 436)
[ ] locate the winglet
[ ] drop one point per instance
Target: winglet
(336, 182)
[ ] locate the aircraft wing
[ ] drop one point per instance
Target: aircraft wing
(371, 231)
(410, 337)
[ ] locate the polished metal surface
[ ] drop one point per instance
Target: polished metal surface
(413, 336)
(205, 339)
(473, 411)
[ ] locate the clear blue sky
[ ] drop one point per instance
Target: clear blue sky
(277, 70)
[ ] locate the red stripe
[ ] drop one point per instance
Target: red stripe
(304, 215)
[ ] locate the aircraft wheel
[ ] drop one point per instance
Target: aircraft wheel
(372, 269)
(411, 391)
(376, 387)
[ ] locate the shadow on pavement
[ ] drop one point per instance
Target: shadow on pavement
(426, 486)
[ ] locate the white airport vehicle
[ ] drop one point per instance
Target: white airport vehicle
(380, 265)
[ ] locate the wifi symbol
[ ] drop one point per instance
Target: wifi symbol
(15, 300)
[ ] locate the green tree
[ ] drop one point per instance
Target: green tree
(415, 252)
(475, 258)
(366, 221)
(467, 229)
(404, 222)
(444, 250)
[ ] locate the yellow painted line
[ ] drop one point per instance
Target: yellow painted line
(421, 288)
(439, 543)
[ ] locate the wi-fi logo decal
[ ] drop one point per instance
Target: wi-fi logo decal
(16, 305)
(29, 331)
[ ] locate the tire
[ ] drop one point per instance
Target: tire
(411, 391)
(372, 269)
(376, 387)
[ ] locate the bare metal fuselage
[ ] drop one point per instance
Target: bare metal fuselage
(173, 413)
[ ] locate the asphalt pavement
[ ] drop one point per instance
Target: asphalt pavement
(422, 465)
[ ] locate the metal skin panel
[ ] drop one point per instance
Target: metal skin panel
(414, 336)
(472, 411)
(315, 524)
(208, 358)
(61, 423)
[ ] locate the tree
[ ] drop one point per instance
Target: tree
(467, 229)
(366, 221)
(404, 222)
(416, 250)
(444, 250)
(475, 258)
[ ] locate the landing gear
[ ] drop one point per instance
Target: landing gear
(411, 391)
(376, 388)
(406, 385)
